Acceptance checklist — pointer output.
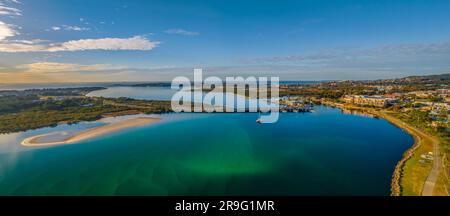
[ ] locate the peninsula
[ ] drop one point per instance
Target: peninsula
(90, 133)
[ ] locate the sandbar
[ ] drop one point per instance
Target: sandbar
(91, 133)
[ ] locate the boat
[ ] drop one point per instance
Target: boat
(259, 120)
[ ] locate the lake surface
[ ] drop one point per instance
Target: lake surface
(166, 93)
(321, 153)
(141, 93)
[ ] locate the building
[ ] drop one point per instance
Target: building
(422, 94)
(443, 92)
(376, 101)
(393, 95)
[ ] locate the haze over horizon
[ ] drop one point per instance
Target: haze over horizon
(118, 41)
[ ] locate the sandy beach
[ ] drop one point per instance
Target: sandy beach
(91, 133)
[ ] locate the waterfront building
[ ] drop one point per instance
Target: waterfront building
(376, 101)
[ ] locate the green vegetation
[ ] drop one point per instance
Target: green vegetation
(10, 104)
(416, 169)
(337, 89)
(423, 121)
(24, 111)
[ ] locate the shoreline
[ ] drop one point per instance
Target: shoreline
(420, 139)
(91, 133)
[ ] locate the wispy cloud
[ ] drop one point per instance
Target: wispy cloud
(69, 28)
(34, 41)
(4, 10)
(369, 63)
(294, 58)
(8, 30)
(181, 32)
(391, 52)
(133, 43)
(410, 49)
(75, 28)
(53, 67)
(44, 72)
(10, 1)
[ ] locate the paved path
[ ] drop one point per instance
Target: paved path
(428, 188)
(431, 180)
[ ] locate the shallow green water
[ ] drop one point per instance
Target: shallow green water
(322, 153)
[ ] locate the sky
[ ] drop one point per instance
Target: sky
(123, 40)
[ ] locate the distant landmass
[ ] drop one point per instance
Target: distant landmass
(427, 79)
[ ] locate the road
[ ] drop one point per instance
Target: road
(433, 175)
(428, 188)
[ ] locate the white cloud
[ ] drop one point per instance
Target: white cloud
(6, 31)
(56, 28)
(133, 43)
(181, 32)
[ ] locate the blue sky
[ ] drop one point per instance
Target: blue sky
(123, 40)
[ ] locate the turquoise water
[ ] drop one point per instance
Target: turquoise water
(321, 153)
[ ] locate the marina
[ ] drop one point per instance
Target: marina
(295, 104)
